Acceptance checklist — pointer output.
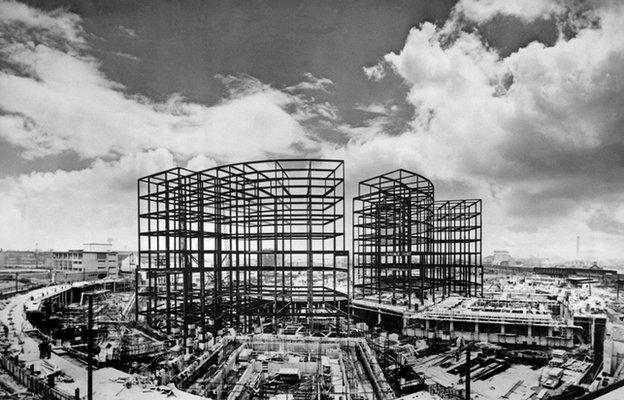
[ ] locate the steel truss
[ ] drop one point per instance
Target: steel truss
(407, 247)
(234, 244)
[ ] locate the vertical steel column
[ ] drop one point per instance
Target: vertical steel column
(310, 259)
(201, 261)
(218, 267)
(168, 215)
(90, 349)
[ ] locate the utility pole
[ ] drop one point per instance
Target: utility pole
(90, 350)
(468, 366)
(136, 293)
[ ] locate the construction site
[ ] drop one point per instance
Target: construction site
(244, 246)
(252, 283)
(410, 249)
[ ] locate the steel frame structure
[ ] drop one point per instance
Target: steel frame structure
(393, 233)
(457, 247)
(408, 247)
(226, 245)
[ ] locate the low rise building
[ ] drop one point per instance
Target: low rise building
(92, 264)
(495, 321)
(26, 259)
(501, 257)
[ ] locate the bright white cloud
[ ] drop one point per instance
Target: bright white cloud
(537, 134)
(373, 108)
(68, 208)
(200, 163)
(312, 83)
(526, 10)
(55, 99)
(374, 72)
(57, 23)
(539, 130)
(68, 104)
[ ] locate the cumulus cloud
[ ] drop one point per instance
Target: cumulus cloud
(59, 23)
(375, 72)
(311, 82)
(526, 10)
(200, 163)
(536, 133)
(55, 99)
(65, 103)
(373, 108)
(68, 208)
(541, 128)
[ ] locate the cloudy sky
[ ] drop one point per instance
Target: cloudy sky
(518, 103)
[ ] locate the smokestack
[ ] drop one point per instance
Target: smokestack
(578, 247)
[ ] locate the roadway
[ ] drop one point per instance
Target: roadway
(107, 382)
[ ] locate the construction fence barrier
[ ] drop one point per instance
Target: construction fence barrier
(32, 382)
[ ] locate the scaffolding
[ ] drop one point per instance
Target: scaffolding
(241, 244)
(408, 247)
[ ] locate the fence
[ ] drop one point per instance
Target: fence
(32, 382)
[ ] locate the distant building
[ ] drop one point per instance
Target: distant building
(517, 319)
(562, 271)
(92, 263)
(26, 259)
(126, 261)
(501, 257)
(531, 261)
(269, 258)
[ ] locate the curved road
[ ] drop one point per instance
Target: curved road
(107, 382)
